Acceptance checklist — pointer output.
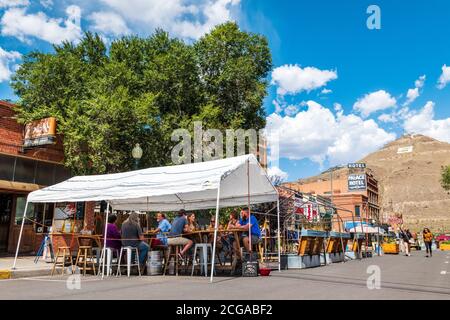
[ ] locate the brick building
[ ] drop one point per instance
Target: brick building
(23, 169)
(359, 204)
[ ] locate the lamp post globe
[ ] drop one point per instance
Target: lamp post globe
(137, 155)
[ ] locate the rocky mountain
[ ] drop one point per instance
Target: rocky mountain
(408, 171)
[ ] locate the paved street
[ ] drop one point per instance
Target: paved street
(414, 277)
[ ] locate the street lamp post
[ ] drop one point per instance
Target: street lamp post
(137, 155)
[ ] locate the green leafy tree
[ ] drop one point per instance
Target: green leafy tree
(141, 89)
(445, 181)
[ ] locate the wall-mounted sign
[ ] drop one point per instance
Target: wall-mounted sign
(403, 150)
(357, 182)
(356, 165)
(40, 132)
(308, 209)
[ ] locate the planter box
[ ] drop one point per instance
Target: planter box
(390, 248)
(303, 262)
(444, 247)
(336, 257)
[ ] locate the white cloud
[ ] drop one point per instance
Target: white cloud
(373, 102)
(7, 60)
(13, 3)
(277, 172)
(291, 110)
(108, 23)
(18, 23)
(182, 18)
(444, 78)
(46, 3)
(292, 79)
(424, 123)
(420, 82)
(319, 135)
(413, 94)
(326, 91)
(387, 118)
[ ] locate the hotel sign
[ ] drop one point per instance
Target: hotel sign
(40, 132)
(357, 182)
(356, 165)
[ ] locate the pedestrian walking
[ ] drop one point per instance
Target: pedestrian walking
(406, 237)
(428, 240)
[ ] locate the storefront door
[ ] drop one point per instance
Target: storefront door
(6, 204)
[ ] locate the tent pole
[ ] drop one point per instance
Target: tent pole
(279, 235)
(249, 212)
(216, 226)
(20, 235)
(104, 240)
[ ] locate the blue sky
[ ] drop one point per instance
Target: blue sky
(338, 90)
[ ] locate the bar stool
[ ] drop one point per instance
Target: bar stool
(174, 255)
(109, 261)
(66, 255)
(130, 251)
(85, 259)
(204, 247)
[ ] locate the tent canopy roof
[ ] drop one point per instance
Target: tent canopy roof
(189, 186)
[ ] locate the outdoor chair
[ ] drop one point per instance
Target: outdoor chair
(173, 252)
(66, 257)
(204, 248)
(109, 263)
(129, 256)
(85, 257)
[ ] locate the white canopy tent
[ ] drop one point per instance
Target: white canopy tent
(214, 184)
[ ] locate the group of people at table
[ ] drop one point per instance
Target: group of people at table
(179, 233)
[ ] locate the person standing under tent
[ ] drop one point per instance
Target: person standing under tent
(164, 227)
(428, 240)
(179, 227)
(132, 236)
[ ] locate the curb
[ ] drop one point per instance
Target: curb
(17, 274)
(5, 274)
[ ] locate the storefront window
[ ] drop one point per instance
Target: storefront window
(44, 217)
(6, 167)
(25, 169)
(68, 217)
(20, 208)
(357, 211)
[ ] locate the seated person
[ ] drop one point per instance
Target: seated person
(228, 239)
(163, 228)
(113, 234)
(192, 223)
(179, 227)
(247, 226)
(211, 227)
(133, 237)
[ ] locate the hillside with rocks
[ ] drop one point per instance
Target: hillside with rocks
(409, 172)
(409, 183)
